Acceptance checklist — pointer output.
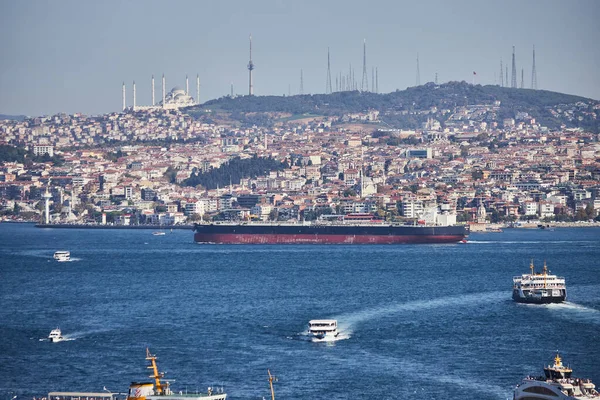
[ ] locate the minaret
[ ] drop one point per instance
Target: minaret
(124, 104)
(197, 88)
(163, 90)
(47, 196)
(187, 85)
(153, 90)
(133, 95)
(250, 68)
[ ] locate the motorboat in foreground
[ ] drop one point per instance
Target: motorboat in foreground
(557, 383)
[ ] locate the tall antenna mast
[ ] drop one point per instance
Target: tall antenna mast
(328, 82)
(364, 86)
(153, 90)
(250, 68)
(513, 81)
(124, 102)
(301, 82)
(163, 90)
(133, 95)
(231, 89)
(418, 80)
(522, 78)
(376, 80)
(533, 72)
(501, 74)
(436, 80)
(372, 79)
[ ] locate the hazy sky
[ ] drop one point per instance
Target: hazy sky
(73, 56)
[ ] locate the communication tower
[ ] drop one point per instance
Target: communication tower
(250, 68)
(328, 89)
(364, 86)
(513, 81)
(534, 84)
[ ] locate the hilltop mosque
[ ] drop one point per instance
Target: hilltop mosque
(173, 100)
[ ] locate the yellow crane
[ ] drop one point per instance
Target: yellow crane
(271, 380)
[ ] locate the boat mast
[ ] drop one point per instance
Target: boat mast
(271, 379)
(155, 374)
(531, 266)
(545, 273)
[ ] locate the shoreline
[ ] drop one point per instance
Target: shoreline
(99, 226)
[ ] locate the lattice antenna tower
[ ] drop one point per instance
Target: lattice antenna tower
(513, 81)
(328, 89)
(376, 80)
(501, 74)
(250, 69)
(301, 83)
(418, 80)
(522, 78)
(533, 72)
(436, 80)
(364, 86)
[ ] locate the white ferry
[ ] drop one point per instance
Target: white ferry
(159, 390)
(55, 335)
(539, 288)
(62, 256)
(323, 329)
(556, 384)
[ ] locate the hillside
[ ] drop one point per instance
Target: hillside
(401, 108)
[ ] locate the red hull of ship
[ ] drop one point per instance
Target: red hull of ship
(325, 239)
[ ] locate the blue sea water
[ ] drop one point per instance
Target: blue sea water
(421, 321)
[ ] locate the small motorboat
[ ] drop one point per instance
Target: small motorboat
(55, 335)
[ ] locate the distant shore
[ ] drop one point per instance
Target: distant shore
(100, 226)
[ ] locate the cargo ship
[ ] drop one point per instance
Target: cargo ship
(320, 233)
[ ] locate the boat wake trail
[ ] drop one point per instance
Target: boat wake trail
(304, 336)
(424, 374)
(573, 311)
(347, 322)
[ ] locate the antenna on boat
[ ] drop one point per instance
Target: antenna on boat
(271, 380)
(531, 267)
(160, 388)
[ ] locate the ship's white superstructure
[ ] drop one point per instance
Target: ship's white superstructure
(62, 256)
(556, 384)
(55, 335)
(539, 288)
(323, 329)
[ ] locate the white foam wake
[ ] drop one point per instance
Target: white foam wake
(346, 322)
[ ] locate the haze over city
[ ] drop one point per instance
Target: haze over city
(71, 56)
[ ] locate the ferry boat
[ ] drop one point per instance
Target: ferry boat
(55, 335)
(539, 288)
(159, 390)
(323, 329)
(557, 383)
(62, 256)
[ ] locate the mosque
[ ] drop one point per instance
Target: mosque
(173, 100)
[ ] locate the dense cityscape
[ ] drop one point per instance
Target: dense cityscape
(168, 166)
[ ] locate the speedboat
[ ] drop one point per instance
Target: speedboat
(62, 256)
(158, 233)
(557, 383)
(539, 288)
(323, 329)
(55, 335)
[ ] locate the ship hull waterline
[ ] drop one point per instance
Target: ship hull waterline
(235, 238)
